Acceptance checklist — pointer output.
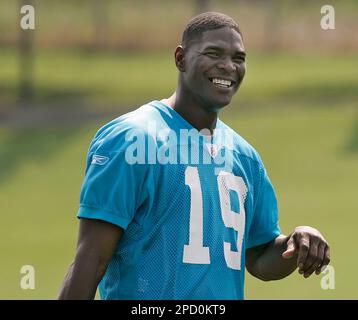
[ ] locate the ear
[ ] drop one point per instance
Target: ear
(180, 58)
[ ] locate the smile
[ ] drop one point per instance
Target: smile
(221, 82)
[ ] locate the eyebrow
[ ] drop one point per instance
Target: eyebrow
(243, 53)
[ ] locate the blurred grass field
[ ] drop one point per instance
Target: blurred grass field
(108, 79)
(299, 111)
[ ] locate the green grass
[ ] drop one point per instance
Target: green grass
(75, 78)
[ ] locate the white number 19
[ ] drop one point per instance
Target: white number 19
(195, 252)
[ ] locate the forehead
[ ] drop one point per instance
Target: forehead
(226, 38)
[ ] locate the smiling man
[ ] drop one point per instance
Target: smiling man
(182, 227)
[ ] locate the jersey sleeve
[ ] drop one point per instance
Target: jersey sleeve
(113, 188)
(265, 225)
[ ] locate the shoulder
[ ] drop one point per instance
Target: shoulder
(114, 134)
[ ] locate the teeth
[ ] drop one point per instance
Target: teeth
(222, 81)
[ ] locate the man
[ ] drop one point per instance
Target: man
(164, 225)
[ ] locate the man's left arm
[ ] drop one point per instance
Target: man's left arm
(304, 248)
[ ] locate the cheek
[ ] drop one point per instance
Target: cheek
(198, 78)
(197, 74)
(194, 72)
(242, 70)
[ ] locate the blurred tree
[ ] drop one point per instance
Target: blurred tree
(201, 6)
(26, 62)
(271, 34)
(100, 23)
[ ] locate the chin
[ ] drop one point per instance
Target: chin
(216, 103)
(221, 101)
(220, 104)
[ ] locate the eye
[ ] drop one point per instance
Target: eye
(239, 59)
(212, 54)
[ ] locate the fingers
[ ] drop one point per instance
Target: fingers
(290, 249)
(303, 249)
(313, 253)
(317, 258)
(317, 261)
(326, 260)
(310, 259)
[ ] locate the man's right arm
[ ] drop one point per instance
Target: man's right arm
(97, 242)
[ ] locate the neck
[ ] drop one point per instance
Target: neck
(196, 115)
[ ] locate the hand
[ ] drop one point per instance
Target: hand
(310, 248)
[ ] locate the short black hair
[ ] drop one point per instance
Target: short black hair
(207, 21)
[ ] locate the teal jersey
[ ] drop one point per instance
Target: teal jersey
(190, 206)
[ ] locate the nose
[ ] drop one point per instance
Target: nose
(227, 65)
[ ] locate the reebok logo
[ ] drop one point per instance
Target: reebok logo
(100, 160)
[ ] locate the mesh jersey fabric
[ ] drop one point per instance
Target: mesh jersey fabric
(187, 224)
